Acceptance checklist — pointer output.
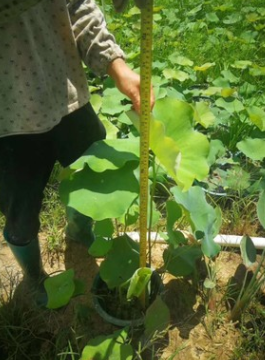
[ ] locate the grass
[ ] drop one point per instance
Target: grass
(253, 335)
(53, 220)
(203, 32)
(22, 332)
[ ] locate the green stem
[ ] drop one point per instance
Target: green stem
(151, 210)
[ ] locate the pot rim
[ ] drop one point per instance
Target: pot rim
(109, 318)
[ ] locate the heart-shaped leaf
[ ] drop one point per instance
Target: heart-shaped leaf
(257, 116)
(120, 263)
(172, 124)
(181, 261)
(157, 318)
(108, 155)
(112, 102)
(248, 251)
(111, 347)
(174, 213)
(203, 217)
(103, 195)
(253, 148)
(60, 288)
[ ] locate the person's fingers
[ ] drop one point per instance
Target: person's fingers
(137, 102)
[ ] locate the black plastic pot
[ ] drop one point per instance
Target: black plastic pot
(156, 288)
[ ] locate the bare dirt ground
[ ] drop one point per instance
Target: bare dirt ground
(194, 334)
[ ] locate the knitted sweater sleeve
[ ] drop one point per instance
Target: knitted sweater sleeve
(96, 45)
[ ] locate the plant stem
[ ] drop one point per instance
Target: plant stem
(151, 211)
(212, 277)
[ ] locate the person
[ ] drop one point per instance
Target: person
(45, 111)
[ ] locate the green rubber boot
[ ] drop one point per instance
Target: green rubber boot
(29, 258)
(79, 227)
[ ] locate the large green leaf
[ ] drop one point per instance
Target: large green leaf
(257, 116)
(104, 228)
(249, 36)
(194, 10)
(108, 347)
(177, 119)
(236, 178)
(101, 195)
(108, 154)
(242, 64)
(111, 129)
(212, 17)
(176, 58)
(103, 231)
(112, 102)
(100, 247)
(228, 75)
(176, 115)
(253, 148)
(131, 216)
(233, 18)
(96, 102)
(120, 263)
(165, 145)
(234, 106)
(157, 318)
(204, 218)
(172, 139)
(176, 74)
(217, 150)
(174, 213)
(257, 70)
(203, 114)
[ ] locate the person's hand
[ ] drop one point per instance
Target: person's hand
(128, 82)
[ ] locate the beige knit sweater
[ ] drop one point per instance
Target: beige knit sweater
(41, 54)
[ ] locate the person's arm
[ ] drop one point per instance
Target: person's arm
(128, 82)
(96, 45)
(99, 50)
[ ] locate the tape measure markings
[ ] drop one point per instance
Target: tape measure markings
(145, 73)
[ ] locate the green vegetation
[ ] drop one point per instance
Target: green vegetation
(209, 123)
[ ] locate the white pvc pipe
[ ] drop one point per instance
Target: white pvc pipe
(234, 240)
(223, 240)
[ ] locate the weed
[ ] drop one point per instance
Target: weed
(252, 345)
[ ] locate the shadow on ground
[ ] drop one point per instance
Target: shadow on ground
(181, 298)
(30, 332)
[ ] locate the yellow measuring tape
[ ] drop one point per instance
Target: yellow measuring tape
(145, 73)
